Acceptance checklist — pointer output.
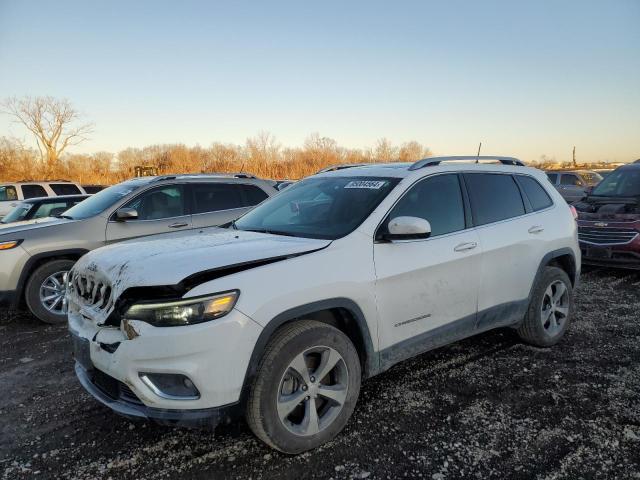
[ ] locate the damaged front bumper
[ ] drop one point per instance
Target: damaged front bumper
(197, 418)
(213, 355)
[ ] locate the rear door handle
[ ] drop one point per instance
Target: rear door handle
(536, 229)
(178, 225)
(463, 247)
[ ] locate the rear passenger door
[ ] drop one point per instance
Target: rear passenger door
(218, 203)
(160, 210)
(512, 238)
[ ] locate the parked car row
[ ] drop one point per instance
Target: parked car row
(38, 254)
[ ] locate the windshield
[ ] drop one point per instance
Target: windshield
(624, 182)
(328, 208)
(102, 200)
(18, 213)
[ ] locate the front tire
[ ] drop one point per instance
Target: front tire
(45, 291)
(306, 387)
(550, 309)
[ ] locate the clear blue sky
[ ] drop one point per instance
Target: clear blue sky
(527, 78)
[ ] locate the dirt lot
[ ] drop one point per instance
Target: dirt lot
(488, 407)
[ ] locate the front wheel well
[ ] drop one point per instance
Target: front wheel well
(342, 314)
(36, 262)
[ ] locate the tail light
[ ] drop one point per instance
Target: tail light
(574, 212)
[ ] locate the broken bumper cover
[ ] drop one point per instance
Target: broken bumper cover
(213, 355)
(198, 418)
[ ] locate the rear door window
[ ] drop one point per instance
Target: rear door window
(553, 177)
(536, 194)
(33, 191)
(213, 197)
(494, 197)
(8, 193)
(64, 188)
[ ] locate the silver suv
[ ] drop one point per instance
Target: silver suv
(35, 256)
(12, 193)
(574, 185)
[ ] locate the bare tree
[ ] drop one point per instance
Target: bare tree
(385, 152)
(54, 123)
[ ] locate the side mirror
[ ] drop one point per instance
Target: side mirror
(408, 228)
(123, 214)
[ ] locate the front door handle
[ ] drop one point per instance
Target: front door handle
(536, 229)
(463, 247)
(178, 225)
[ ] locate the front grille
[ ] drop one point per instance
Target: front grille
(607, 235)
(113, 388)
(93, 292)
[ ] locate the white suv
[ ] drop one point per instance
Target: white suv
(337, 278)
(12, 193)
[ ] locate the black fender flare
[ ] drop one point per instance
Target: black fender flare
(550, 256)
(371, 355)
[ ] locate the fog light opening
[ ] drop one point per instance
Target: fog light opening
(171, 386)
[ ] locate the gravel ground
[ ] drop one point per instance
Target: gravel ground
(487, 407)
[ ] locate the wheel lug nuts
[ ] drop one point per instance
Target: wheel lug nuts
(304, 387)
(308, 397)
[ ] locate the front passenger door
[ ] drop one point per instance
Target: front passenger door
(160, 210)
(427, 290)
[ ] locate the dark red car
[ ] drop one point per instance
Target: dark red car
(609, 220)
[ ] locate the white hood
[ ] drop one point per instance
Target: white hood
(169, 259)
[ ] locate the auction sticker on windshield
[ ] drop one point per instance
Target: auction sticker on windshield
(375, 184)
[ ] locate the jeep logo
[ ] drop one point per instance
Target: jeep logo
(601, 224)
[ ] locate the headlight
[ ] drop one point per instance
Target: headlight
(184, 312)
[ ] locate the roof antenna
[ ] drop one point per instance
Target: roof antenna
(478, 155)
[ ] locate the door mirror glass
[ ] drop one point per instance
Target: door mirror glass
(127, 214)
(408, 228)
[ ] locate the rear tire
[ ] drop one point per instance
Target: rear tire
(550, 309)
(48, 282)
(289, 408)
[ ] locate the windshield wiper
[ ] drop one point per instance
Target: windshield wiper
(271, 232)
(64, 216)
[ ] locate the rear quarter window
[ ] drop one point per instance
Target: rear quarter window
(253, 195)
(537, 195)
(64, 188)
(494, 197)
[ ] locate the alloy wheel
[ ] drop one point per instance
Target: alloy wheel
(53, 293)
(555, 307)
(312, 391)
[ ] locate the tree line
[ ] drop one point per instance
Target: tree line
(56, 125)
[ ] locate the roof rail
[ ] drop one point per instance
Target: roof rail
(340, 166)
(433, 161)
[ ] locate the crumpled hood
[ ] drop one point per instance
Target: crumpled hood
(169, 259)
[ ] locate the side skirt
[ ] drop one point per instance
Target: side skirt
(504, 315)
